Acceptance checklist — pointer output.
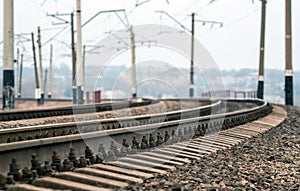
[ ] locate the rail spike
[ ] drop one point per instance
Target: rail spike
(47, 169)
(89, 155)
(2, 182)
(36, 165)
(67, 165)
(14, 170)
(56, 162)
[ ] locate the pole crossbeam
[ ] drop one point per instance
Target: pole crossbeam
(175, 20)
(58, 17)
(101, 12)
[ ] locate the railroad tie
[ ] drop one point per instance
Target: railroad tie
(56, 183)
(207, 145)
(195, 153)
(156, 159)
(182, 146)
(243, 131)
(219, 139)
(134, 173)
(176, 153)
(28, 187)
(211, 142)
(270, 123)
(253, 128)
(235, 135)
(223, 137)
(108, 174)
(91, 180)
(199, 147)
(146, 163)
(138, 167)
(167, 156)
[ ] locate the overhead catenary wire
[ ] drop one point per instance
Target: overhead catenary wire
(239, 19)
(201, 4)
(62, 31)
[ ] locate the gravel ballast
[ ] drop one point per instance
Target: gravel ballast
(268, 162)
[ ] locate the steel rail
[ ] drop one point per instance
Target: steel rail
(44, 147)
(137, 129)
(70, 110)
(105, 124)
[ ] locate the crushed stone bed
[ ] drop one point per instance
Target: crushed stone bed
(267, 162)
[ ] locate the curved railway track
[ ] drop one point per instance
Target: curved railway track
(70, 110)
(174, 142)
(76, 127)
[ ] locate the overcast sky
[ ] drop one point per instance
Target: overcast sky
(233, 46)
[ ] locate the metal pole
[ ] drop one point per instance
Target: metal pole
(45, 80)
(41, 65)
(74, 89)
(50, 73)
(17, 73)
(79, 64)
(20, 78)
(8, 56)
(37, 84)
(289, 100)
(133, 71)
(83, 60)
(260, 88)
(191, 92)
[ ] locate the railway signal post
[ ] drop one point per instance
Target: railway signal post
(45, 79)
(260, 88)
(50, 73)
(17, 73)
(191, 92)
(37, 84)
(20, 78)
(133, 71)
(41, 67)
(74, 88)
(289, 100)
(8, 97)
(79, 60)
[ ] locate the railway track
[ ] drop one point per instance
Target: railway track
(78, 126)
(70, 110)
(159, 107)
(177, 142)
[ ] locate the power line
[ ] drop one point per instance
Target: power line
(242, 17)
(54, 36)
